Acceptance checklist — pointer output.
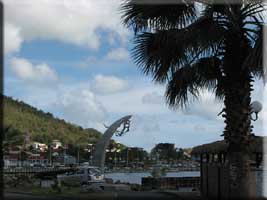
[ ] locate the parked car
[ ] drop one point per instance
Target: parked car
(84, 175)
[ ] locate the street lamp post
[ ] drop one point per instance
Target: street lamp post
(90, 150)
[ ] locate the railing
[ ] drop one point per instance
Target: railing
(177, 169)
(34, 170)
(184, 169)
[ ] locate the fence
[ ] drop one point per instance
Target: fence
(35, 170)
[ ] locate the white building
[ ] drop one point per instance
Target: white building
(39, 146)
(56, 144)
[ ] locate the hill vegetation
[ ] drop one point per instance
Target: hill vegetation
(24, 122)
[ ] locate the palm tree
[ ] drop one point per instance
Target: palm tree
(193, 45)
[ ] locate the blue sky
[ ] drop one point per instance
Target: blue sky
(73, 60)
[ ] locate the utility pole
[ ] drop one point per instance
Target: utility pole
(78, 156)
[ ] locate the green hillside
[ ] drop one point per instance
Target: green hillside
(21, 119)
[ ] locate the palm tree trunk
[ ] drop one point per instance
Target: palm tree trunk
(237, 100)
(237, 134)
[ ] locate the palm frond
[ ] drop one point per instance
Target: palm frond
(188, 80)
(254, 60)
(251, 9)
(143, 15)
(162, 53)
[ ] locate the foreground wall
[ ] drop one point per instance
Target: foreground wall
(215, 180)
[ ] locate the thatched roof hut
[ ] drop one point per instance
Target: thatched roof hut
(256, 146)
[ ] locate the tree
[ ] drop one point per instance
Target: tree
(11, 138)
(210, 46)
(166, 151)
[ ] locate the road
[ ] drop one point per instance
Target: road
(103, 196)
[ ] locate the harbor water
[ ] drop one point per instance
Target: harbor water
(136, 177)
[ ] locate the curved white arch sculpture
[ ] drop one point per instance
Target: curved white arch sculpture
(102, 144)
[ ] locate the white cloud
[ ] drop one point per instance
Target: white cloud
(91, 60)
(130, 100)
(145, 123)
(200, 128)
(118, 54)
(153, 98)
(12, 39)
(108, 84)
(207, 107)
(25, 70)
(83, 108)
(67, 21)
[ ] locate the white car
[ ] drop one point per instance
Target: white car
(84, 175)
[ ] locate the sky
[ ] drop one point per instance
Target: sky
(73, 59)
